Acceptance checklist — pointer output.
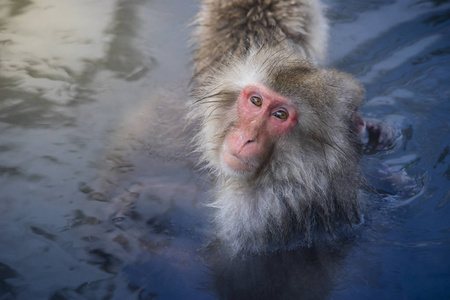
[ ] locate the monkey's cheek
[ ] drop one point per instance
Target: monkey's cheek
(235, 164)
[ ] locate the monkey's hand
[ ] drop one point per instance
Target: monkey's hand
(377, 136)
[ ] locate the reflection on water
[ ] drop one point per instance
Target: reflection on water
(99, 196)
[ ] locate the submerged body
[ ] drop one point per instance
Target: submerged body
(280, 134)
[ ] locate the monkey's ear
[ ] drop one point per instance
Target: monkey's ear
(346, 88)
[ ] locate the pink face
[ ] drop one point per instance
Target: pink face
(263, 116)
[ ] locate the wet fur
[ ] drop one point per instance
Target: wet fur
(308, 190)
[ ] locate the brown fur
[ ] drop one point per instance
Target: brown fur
(233, 27)
(308, 189)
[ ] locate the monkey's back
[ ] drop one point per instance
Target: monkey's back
(232, 27)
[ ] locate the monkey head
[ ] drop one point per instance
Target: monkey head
(273, 107)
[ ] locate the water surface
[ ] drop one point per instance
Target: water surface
(99, 198)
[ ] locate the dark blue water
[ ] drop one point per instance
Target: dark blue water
(99, 198)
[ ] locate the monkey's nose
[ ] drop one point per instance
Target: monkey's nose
(245, 144)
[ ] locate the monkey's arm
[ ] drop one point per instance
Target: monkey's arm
(380, 136)
(374, 135)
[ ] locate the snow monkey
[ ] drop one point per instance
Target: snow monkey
(280, 134)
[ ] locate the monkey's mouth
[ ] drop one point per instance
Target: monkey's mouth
(236, 163)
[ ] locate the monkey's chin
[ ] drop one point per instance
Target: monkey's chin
(235, 165)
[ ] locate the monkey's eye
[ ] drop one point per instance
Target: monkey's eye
(281, 114)
(256, 101)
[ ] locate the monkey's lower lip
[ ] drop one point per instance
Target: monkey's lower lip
(236, 163)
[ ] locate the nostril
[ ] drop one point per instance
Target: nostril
(245, 145)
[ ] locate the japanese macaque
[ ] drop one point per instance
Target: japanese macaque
(280, 134)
